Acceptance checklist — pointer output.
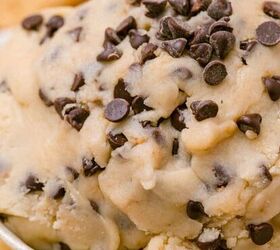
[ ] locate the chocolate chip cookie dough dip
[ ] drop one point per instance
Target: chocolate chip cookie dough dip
(148, 124)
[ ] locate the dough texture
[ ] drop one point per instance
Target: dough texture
(152, 125)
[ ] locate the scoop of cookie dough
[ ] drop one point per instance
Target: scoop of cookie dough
(12, 11)
(148, 124)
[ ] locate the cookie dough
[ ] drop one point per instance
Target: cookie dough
(12, 11)
(152, 125)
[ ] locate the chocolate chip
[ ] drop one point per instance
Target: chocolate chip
(268, 33)
(250, 122)
(212, 241)
(272, 85)
(33, 184)
(109, 54)
(90, 167)
(137, 39)
(171, 28)
(134, 2)
(64, 246)
(260, 234)
(44, 98)
(54, 24)
(116, 140)
(243, 60)
(177, 118)
(219, 8)
(182, 7)
(199, 5)
(201, 34)
(111, 36)
(265, 173)
(175, 146)
(59, 194)
(195, 210)
(121, 92)
(76, 117)
(60, 103)
(76, 33)
(94, 206)
(222, 177)
(248, 44)
(182, 73)
(220, 25)
(78, 82)
(147, 52)
(73, 172)
(222, 42)
(154, 7)
(272, 8)
(201, 52)
(125, 26)
(176, 47)
(204, 109)
(138, 105)
(117, 110)
(33, 22)
(157, 135)
(214, 73)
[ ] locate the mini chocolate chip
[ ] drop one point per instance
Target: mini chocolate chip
(44, 98)
(268, 33)
(243, 60)
(109, 54)
(248, 44)
(260, 234)
(222, 177)
(250, 122)
(272, 8)
(222, 42)
(73, 172)
(125, 26)
(59, 194)
(201, 34)
(111, 36)
(209, 243)
(147, 52)
(176, 47)
(204, 109)
(182, 73)
(78, 82)
(272, 85)
(219, 8)
(220, 25)
(182, 7)
(265, 172)
(195, 210)
(60, 103)
(64, 246)
(76, 33)
(54, 24)
(214, 73)
(171, 28)
(201, 52)
(117, 110)
(139, 106)
(177, 118)
(33, 184)
(121, 92)
(137, 39)
(76, 117)
(116, 140)
(90, 167)
(154, 7)
(175, 146)
(94, 206)
(157, 135)
(33, 22)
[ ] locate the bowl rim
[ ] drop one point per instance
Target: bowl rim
(11, 239)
